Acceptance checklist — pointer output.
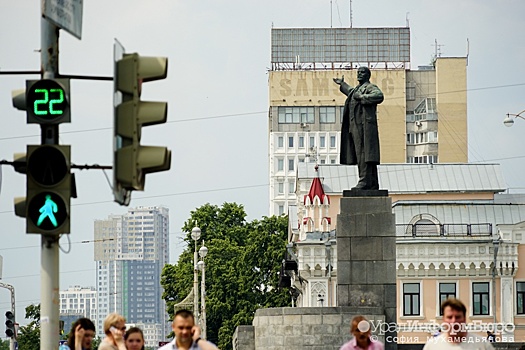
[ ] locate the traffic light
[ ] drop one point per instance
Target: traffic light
(10, 324)
(49, 189)
(131, 160)
(47, 101)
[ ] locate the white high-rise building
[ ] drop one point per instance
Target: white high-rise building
(76, 302)
(130, 252)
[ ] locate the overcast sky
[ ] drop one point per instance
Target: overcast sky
(217, 90)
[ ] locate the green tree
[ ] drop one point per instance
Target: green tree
(4, 344)
(242, 268)
(28, 337)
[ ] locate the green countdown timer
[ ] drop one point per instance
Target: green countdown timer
(47, 101)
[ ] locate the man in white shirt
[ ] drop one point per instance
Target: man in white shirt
(187, 334)
(454, 335)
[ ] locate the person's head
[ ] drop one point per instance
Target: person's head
(454, 314)
(360, 329)
(183, 324)
(89, 333)
(134, 339)
(363, 74)
(114, 320)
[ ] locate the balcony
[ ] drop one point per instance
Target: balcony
(446, 231)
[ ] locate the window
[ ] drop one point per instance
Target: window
(326, 115)
(332, 141)
(322, 141)
(301, 141)
(520, 298)
(312, 141)
(291, 166)
(446, 290)
(410, 299)
(480, 298)
(296, 115)
(280, 164)
(411, 91)
(281, 209)
(290, 141)
(291, 187)
(280, 187)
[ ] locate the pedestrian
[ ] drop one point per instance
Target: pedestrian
(491, 337)
(454, 334)
(81, 334)
(187, 334)
(134, 339)
(362, 340)
(359, 133)
(114, 328)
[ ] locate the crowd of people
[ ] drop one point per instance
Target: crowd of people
(453, 336)
(118, 337)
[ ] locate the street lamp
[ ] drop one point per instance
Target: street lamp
(195, 235)
(508, 121)
(202, 266)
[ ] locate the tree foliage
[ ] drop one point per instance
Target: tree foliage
(28, 337)
(242, 268)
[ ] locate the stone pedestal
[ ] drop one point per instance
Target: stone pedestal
(366, 254)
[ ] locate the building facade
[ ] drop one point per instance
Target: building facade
(130, 252)
(423, 118)
(454, 224)
(77, 302)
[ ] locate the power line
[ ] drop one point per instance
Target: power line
(252, 113)
(167, 195)
(168, 122)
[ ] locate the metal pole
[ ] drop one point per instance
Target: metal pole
(49, 272)
(195, 286)
(203, 300)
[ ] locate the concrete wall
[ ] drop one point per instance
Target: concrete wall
(312, 328)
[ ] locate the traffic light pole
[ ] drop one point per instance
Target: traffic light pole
(49, 270)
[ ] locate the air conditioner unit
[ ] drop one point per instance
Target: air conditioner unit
(418, 123)
(304, 125)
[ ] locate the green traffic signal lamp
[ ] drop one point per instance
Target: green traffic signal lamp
(47, 101)
(49, 187)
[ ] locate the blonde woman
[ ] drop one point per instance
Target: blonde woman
(114, 328)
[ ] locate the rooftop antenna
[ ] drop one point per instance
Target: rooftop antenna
(437, 49)
(351, 24)
(407, 20)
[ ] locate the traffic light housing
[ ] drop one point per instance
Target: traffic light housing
(131, 160)
(49, 189)
(48, 101)
(10, 331)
